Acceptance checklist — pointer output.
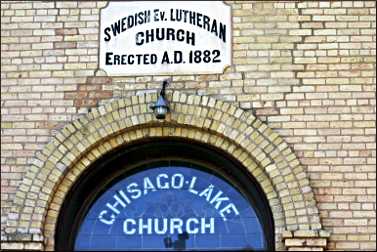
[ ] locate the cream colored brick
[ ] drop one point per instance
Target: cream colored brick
(308, 73)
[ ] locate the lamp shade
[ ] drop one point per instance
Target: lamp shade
(161, 108)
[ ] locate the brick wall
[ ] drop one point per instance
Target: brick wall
(307, 69)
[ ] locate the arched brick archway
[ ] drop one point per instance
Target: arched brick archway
(265, 154)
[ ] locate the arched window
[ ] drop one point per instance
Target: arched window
(166, 195)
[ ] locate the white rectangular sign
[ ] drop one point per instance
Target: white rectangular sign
(165, 38)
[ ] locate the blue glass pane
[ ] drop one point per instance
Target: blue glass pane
(171, 208)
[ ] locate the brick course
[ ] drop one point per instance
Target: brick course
(305, 68)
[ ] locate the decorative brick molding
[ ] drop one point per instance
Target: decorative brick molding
(262, 151)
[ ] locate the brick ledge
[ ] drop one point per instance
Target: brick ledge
(305, 240)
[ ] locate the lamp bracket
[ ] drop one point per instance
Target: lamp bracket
(164, 84)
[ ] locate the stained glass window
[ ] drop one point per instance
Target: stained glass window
(171, 208)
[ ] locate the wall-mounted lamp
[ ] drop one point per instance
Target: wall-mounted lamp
(161, 107)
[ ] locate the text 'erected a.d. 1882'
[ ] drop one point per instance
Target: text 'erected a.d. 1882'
(165, 38)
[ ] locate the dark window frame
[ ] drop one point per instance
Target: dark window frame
(126, 160)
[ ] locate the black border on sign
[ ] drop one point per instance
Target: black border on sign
(144, 154)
